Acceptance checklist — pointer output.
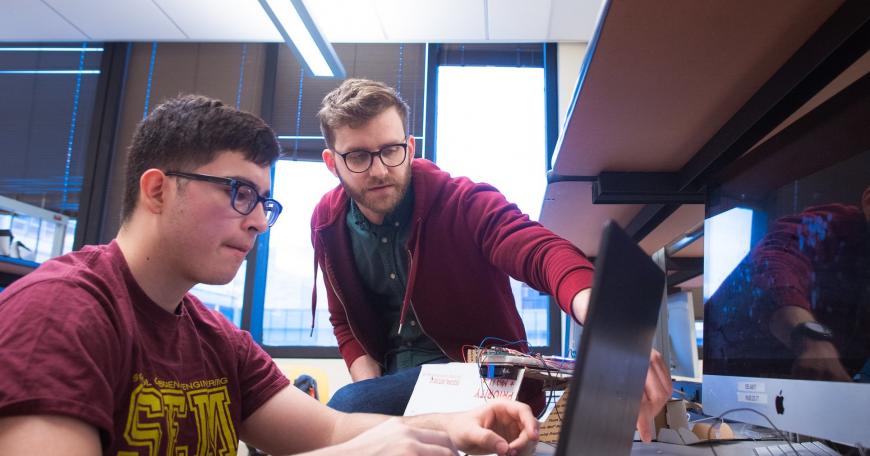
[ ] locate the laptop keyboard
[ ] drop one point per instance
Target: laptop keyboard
(803, 449)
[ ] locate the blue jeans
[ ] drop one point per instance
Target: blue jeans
(388, 394)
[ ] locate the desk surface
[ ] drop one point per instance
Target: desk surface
(742, 448)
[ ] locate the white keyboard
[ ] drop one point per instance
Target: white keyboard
(803, 449)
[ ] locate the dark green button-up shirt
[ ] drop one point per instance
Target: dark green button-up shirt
(382, 259)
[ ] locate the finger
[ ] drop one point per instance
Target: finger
(520, 416)
(523, 444)
(657, 364)
(658, 382)
(486, 441)
(643, 425)
(643, 418)
(657, 391)
(527, 432)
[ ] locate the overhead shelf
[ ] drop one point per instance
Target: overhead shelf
(677, 88)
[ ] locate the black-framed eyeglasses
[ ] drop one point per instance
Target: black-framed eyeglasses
(243, 196)
(359, 161)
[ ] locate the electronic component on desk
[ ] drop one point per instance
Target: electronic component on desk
(512, 357)
(499, 371)
(514, 360)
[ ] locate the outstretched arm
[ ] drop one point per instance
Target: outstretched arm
(293, 422)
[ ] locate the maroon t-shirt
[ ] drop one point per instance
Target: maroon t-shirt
(79, 337)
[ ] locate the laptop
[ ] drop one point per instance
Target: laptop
(613, 356)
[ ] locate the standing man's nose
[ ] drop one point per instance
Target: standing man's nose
(378, 167)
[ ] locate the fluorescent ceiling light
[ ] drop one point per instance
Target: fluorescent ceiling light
(49, 71)
(300, 33)
(49, 49)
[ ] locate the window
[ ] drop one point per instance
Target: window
(287, 307)
(491, 128)
(48, 94)
(727, 240)
(226, 299)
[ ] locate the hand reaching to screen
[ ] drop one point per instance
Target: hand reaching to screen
(657, 387)
(656, 392)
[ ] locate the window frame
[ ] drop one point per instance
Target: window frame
(436, 53)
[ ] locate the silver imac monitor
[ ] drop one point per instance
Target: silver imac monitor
(787, 298)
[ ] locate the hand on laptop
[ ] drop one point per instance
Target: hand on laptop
(501, 426)
(656, 391)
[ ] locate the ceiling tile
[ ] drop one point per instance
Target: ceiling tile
(114, 20)
(29, 20)
(519, 20)
(347, 21)
(341, 21)
(421, 21)
(574, 20)
(221, 20)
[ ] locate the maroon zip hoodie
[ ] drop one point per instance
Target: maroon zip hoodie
(465, 241)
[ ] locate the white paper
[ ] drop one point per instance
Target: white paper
(457, 387)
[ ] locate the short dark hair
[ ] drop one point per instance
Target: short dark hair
(355, 102)
(189, 131)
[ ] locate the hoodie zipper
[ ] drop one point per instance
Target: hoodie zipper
(411, 303)
(420, 324)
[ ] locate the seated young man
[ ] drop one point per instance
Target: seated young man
(104, 350)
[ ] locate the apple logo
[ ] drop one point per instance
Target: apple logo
(780, 406)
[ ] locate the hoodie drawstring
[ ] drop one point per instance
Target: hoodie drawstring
(314, 288)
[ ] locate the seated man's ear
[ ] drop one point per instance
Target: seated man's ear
(412, 148)
(153, 191)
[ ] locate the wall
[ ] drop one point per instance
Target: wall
(570, 58)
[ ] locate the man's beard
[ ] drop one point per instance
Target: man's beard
(364, 199)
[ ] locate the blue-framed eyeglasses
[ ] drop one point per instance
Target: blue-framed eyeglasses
(243, 196)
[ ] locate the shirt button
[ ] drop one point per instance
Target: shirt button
(396, 224)
(408, 344)
(384, 240)
(392, 275)
(413, 323)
